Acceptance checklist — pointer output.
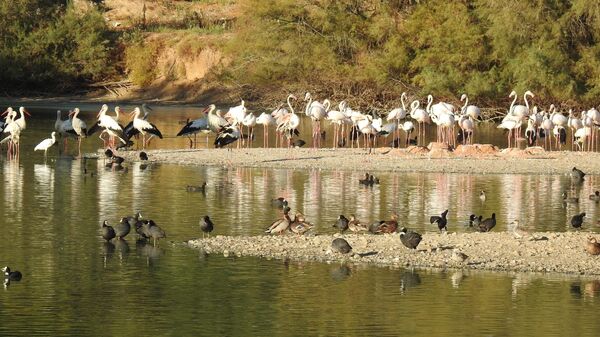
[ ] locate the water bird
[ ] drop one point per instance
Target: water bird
(300, 225)
(341, 223)
(152, 231)
(79, 127)
(280, 202)
(366, 181)
(46, 144)
(474, 220)
(192, 188)
(410, 239)
(441, 220)
(298, 143)
(206, 225)
(567, 199)
(482, 196)
(341, 246)
(386, 227)
(487, 224)
(592, 246)
(122, 228)
(595, 196)
(107, 232)
(193, 127)
(143, 156)
(577, 174)
(12, 275)
(144, 127)
(108, 153)
(355, 226)
(280, 225)
(577, 220)
(117, 160)
(227, 135)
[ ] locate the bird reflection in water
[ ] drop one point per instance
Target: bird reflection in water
(340, 273)
(122, 248)
(108, 249)
(409, 279)
(456, 278)
(148, 251)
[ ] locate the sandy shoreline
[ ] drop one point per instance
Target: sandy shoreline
(560, 253)
(529, 161)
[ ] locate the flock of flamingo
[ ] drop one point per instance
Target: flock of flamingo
(350, 126)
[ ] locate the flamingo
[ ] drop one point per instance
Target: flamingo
(316, 111)
(530, 132)
(547, 125)
(236, 115)
(519, 111)
(408, 127)
(465, 122)
(574, 124)
(510, 123)
(398, 113)
(471, 110)
(143, 127)
(537, 119)
(266, 120)
(422, 118)
(560, 134)
(249, 122)
(595, 116)
(581, 136)
(79, 127)
(46, 144)
(289, 123)
(441, 114)
(278, 114)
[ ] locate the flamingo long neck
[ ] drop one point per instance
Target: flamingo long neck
(429, 101)
(290, 104)
(58, 117)
(466, 102)
(402, 97)
(326, 105)
(117, 111)
(413, 107)
(307, 108)
(526, 103)
(512, 104)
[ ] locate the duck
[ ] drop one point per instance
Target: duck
(279, 226)
(355, 226)
(341, 246)
(206, 225)
(106, 231)
(487, 224)
(567, 199)
(280, 202)
(192, 188)
(122, 228)
(592, 247)
(341, 223)
(300, 225)
(389, 226)
(410, 239)
(440, 220)
(577, 174)
(143, 156)
(373, 180)
(117, 160)
(298, 143)
(11, 275)
(595, 197)
(577, 220)
(482, 196)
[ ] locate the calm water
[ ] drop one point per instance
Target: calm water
(75, 284)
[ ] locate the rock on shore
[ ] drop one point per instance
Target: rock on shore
(536, 252)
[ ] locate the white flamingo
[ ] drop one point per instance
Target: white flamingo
(249, 122)
(316, 111)
(519, 111)
(510, 123)
(338, 119)
(465, 122)
(422, 118)
(548, 126)
(574, 123)
(408, 127)
(398, 114)
(288, 124)
(471, 110)
(266, 120)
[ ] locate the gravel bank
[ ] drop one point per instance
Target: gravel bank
(467, 160)
(560, 253)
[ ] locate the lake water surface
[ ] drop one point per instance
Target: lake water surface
(75, 284)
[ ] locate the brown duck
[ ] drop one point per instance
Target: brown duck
(592, 247)
(388, 226)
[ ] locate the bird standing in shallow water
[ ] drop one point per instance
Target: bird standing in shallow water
(577, 220)
(143, 156)
(206, 226)
(482, 196)
(106, 231)
(410, 239)
(122, 228)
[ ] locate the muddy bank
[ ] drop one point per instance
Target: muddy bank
(536, 252)
(467, 160)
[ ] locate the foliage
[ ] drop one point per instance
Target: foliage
(49, 44)
(370, 48)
